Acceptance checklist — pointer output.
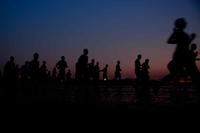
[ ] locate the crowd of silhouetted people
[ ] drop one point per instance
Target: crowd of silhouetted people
(84, 70)
(32, 70)
(183, 65)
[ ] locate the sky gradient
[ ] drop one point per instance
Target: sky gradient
(111, 30)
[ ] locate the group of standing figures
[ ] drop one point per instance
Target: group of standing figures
(32, 70)
(90, 71)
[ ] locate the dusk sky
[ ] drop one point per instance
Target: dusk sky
(111, 30)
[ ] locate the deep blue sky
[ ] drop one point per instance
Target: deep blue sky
(111, 29)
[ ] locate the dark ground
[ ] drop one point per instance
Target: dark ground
(103, 96)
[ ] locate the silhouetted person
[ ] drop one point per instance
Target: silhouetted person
(43, 71)
(10, 69)
(54, 73)
(34, 67)
(35, 75)
(138, 67)
(91, 69)
(69, 75)
(43, 79)
(25, 78)
(192, 57)
(82, 75)
(105, 72)
(145, 70)
(96, 71)
(25, 71)
(118, 71)
(182, 40)
(82, 66)
(61, 65)
(10, 75)
(142, 88)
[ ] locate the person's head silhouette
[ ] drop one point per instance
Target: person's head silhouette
(85, 51)
(62, 58)
(139, 56)
(35, 56)
(118, 62)
(180, 23)
(12, 58)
